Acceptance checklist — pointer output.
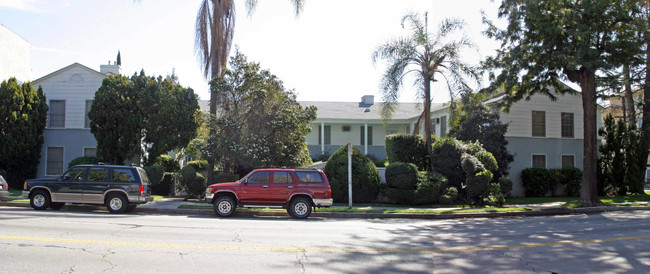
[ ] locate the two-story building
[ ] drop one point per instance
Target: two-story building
(14, 56)
(69, 92)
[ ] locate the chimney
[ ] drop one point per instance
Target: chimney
(367, 100)
(113, 69)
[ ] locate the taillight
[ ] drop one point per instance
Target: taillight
(329, 192)
(141, 188)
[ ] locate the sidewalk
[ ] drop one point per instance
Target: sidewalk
(170, 206)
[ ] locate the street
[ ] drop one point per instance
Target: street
(85, 241)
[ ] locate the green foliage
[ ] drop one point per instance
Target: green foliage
(536, 181)
(23, 115)
(192, 182)
(157, 111)
(427, 190)
(365, 176)
(572, 178)
(505, 185)
(495, 196)
(407, 148)
(619, 170)
(155, 173)
(475, 122)
(446, 160)
(471, 165)
(449, 196)
(261, 124)
(84, 161)
(199, 165)
(224, 177)
(477, 186)
(402, 176)
(170, 164)
(164, 187)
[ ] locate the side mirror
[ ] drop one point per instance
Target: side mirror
(245, 181)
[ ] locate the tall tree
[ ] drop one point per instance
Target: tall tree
(215, 26)
(23, 114)
(260, 124)
(549, 41)
(432, 57)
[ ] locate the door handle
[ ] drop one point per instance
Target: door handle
(265, 186)
(290, 187)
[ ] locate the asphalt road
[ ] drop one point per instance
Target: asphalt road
(91, 242)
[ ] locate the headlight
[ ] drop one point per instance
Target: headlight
(208, 190)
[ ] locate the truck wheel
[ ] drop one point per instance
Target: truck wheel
(224, 206)
(40, 200)
(56, 206)
(116, 203)
(299, 208)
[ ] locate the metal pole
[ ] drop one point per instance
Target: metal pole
(350, 175)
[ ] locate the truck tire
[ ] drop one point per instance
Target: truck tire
(300, 208)
(116, 203)
(40, 200)
(224, 206)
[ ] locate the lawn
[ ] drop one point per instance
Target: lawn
(607, 200)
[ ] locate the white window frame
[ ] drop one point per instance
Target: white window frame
(47, 160)
(532, 161)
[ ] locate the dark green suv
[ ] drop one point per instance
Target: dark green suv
(120, 188)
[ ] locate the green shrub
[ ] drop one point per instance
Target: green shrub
(536, 181)
(449, 196)
(407, 148)
(470, 164)
(430, 187)
(170, 164)
(199, 165)
(505, 184)
(164, 188)
(84, 161)
(224, 177)
(192, 182)
(487, 159)
(495, 197)
(402, 175)
(366, 180)
(446, 160)
(155, 174)
(477, 186)
(572, 178)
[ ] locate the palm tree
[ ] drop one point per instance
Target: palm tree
(428, 56)
(215, 26)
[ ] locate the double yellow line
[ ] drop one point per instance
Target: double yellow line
(323, 250)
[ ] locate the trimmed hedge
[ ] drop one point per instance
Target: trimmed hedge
(536, 181)
(407, 148)
(199, 165)
(446, 160)
(164, 187)
(223, 177)
(155, 173)
(170, 164)
(366, 180)
(402, 175)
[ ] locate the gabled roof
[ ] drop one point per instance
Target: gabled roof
(356, 111)
(75, 65)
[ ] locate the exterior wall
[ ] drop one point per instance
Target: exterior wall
(523, 148)
(340, 138)
(14, 56)
(73, 142)
(75, 85)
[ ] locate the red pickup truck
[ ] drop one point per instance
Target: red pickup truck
(296, 190)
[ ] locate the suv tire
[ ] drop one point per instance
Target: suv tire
(299, 208)
(116, 203)
(224, 206)
(40, 200)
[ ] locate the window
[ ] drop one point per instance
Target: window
(539, 123)
(539, 161)
(345, 128)
(328, 135)
(363, 133)
(309, 176)
(568, 161)
(391, 130)
(54, 161)
(98, 174)
(123, 175)
(443, 126)
(57, 113)
(88, 105)
(261, 177)
(75, 174)
(282, 177)
(90, 152)
(567, 125)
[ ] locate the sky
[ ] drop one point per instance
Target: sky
(325, 54)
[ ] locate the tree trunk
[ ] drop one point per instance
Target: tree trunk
(645, 122)
(589, 191)
(629, 106)
(427, 119)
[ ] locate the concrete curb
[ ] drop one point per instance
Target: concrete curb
(359, 215)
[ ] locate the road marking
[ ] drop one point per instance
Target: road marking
(324, 250)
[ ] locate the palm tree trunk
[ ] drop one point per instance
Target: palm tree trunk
(427, 119)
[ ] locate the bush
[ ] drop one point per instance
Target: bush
(536, 181)
(407, 148)
(164, 188)
(572, 177)
(402, 175)
(223, 177)
(487, 159)
(446, 160)
(366, 180)
(155, 174)
(471, 165)
(170, 164)
(449, 196)
(430, 187)
(495, 197)
(505, 184)
(199, 165)
(192, 182)
(477, 186)
(84, 161)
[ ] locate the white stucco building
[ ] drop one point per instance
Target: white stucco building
(14, 56)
